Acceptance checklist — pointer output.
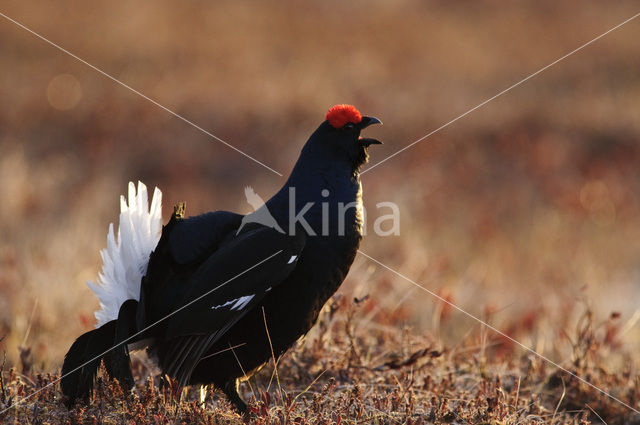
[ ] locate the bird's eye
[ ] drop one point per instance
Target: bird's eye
(348, 126)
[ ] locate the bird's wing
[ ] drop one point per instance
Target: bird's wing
(248, 192)
(193, 239)
(232, 281)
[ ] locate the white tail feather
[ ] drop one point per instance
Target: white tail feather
(125, 259)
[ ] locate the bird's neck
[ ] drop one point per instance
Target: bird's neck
(329, 198)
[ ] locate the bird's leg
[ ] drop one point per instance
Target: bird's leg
(203, 395)
(230, 389)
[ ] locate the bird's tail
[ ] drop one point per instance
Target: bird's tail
(126, 257)
(108, 343)
(82, 360)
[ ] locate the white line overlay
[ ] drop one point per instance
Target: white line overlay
(139, 332)
(548, 360)
(175, 114)
(501, 93)
(362, 172)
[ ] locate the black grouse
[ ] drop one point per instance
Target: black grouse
(215, 284)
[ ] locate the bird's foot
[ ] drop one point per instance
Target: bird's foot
(230, 389)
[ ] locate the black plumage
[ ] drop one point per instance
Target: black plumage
(216, 282)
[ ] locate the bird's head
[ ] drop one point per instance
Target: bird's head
(338, 137)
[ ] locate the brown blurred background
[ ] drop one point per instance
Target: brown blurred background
(527, 209)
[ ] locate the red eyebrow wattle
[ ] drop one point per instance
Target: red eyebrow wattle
(339, 115)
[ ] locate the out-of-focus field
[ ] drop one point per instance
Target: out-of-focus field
(525, 213)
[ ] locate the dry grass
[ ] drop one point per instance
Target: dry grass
(526, 213)
(381, 372)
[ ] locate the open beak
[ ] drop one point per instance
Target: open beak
(366, 141)
(366, 122)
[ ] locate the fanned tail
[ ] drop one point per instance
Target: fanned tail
(126, 257)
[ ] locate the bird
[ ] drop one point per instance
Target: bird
(260, 212)
(212, 302)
